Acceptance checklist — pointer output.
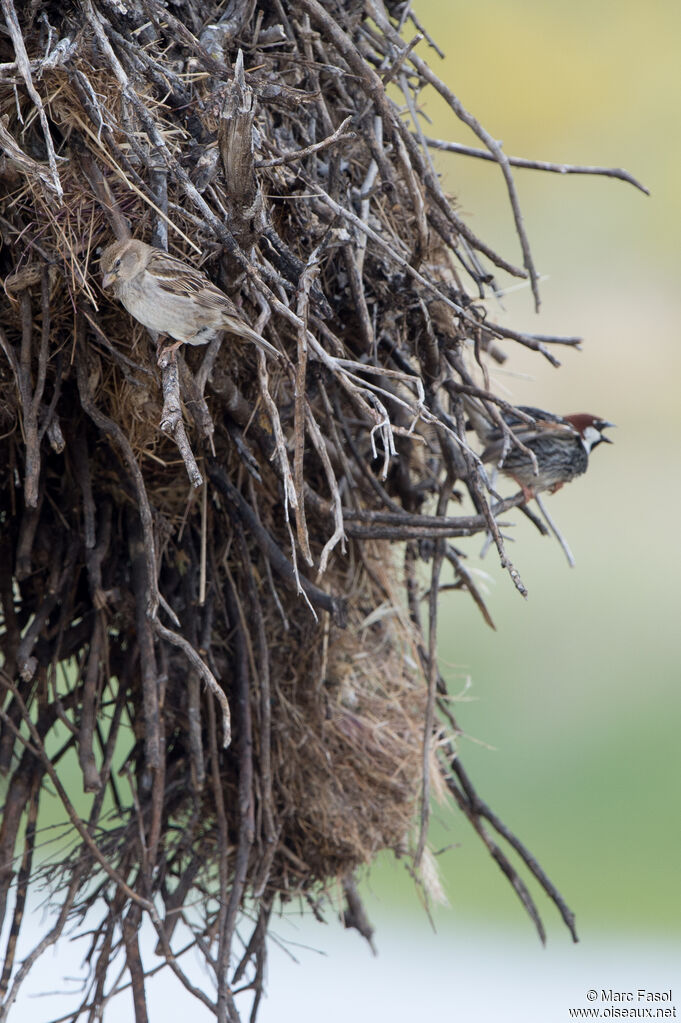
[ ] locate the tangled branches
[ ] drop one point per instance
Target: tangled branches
(202, 599)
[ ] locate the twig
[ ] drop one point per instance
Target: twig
(429, 716)
(378, 11)
(235, 141)
(204, 671)
(355, 913)
(24, 66)
(111, 428)
(339, 135)
(541, 165)
(171, 417)
(556, 532)
(467, 580)
(24, 164)
(86, 757)
(479, 809)
(246, 795)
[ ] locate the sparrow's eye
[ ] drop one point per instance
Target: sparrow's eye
(117, 263)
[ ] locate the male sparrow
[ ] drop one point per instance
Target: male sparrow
(561, 445)
(171, 297)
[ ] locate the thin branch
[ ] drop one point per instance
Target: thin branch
(24, 67)
(171, 417)
(339, 135)
(541, 165)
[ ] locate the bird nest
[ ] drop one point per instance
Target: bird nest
(220, 574)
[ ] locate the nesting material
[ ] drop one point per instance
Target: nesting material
(220, 572)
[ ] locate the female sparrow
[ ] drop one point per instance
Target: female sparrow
(171, 297)
(561, 445)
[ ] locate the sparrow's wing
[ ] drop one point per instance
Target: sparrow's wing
(528, 434)
(177, 277)
(539, 414)
(487, 429)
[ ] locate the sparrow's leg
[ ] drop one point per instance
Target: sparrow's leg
(163, 350)
(528, 492)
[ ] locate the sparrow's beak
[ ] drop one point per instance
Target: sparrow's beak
(607, 426)
(108, 279)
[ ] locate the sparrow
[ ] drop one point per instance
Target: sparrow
(561, 445)
(171, 297)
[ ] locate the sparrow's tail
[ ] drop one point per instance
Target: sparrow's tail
(242, 329)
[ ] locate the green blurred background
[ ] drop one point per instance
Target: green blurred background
(578, 690)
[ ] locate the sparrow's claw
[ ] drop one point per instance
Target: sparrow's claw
(166, 351)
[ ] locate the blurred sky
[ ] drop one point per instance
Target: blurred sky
(578, 691)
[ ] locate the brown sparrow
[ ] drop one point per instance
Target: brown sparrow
(171, 297)
(561, 445)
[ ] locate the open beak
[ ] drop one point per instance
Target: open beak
(606, 426)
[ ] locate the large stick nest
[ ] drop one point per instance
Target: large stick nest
(141, 609)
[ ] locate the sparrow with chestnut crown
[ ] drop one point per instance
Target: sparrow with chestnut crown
(561, 445)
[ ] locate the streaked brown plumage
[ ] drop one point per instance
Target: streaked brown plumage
(561, 445)
(171, 297)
